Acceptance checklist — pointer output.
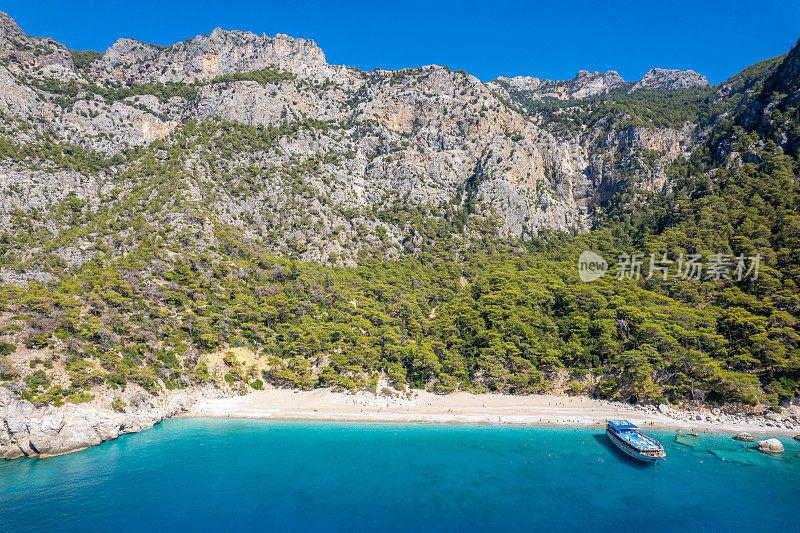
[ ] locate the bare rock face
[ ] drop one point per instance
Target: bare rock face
(583, 85)
(525, 83)
(425, 136)
(769, 112)
(593, 83)
(770, 446)
(745, 437)
(207, 56)
(27, 431)
(661, 78)
(423, 132)
(9, 27)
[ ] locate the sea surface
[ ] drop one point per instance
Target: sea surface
(242, 475)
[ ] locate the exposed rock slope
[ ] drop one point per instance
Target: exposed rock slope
(422, 137)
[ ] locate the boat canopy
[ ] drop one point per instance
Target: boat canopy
(621, 424)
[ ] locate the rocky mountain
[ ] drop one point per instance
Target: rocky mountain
(412, 139)
(160, 205)
(415, 136)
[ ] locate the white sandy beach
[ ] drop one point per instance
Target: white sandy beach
(462, 407)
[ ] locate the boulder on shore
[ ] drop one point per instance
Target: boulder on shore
(746, 437)
(770, 446)
(797, 437)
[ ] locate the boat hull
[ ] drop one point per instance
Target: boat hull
(626, 449)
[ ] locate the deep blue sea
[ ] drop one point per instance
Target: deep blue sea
(239, 475)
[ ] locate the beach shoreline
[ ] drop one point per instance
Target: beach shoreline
(465, 408)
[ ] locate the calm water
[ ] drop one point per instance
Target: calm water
(226, 475)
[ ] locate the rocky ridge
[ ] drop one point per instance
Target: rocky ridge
(586, 84)
(207, 56)
(583, 85)
(419, 133)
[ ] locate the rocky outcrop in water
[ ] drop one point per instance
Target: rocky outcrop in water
(770, 446)
(28, 431)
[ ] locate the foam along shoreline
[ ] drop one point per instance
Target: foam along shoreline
(459, 407)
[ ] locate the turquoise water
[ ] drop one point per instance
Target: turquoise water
(228, 475)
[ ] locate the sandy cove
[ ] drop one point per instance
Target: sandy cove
(460, 407)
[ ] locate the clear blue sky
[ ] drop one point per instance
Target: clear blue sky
(552, 39)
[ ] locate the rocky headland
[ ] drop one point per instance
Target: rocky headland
(30, 431)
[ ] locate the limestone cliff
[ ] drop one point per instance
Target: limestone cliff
(417, 134)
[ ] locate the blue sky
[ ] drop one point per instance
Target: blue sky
(547, 39)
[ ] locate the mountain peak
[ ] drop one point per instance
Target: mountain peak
(588, 83)
(662, 78)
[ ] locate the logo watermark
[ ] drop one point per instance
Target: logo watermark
(713, 267)
(591, 266)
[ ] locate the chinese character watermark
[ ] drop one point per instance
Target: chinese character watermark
(688, 266)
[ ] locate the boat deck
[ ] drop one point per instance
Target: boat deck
(639, 441)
